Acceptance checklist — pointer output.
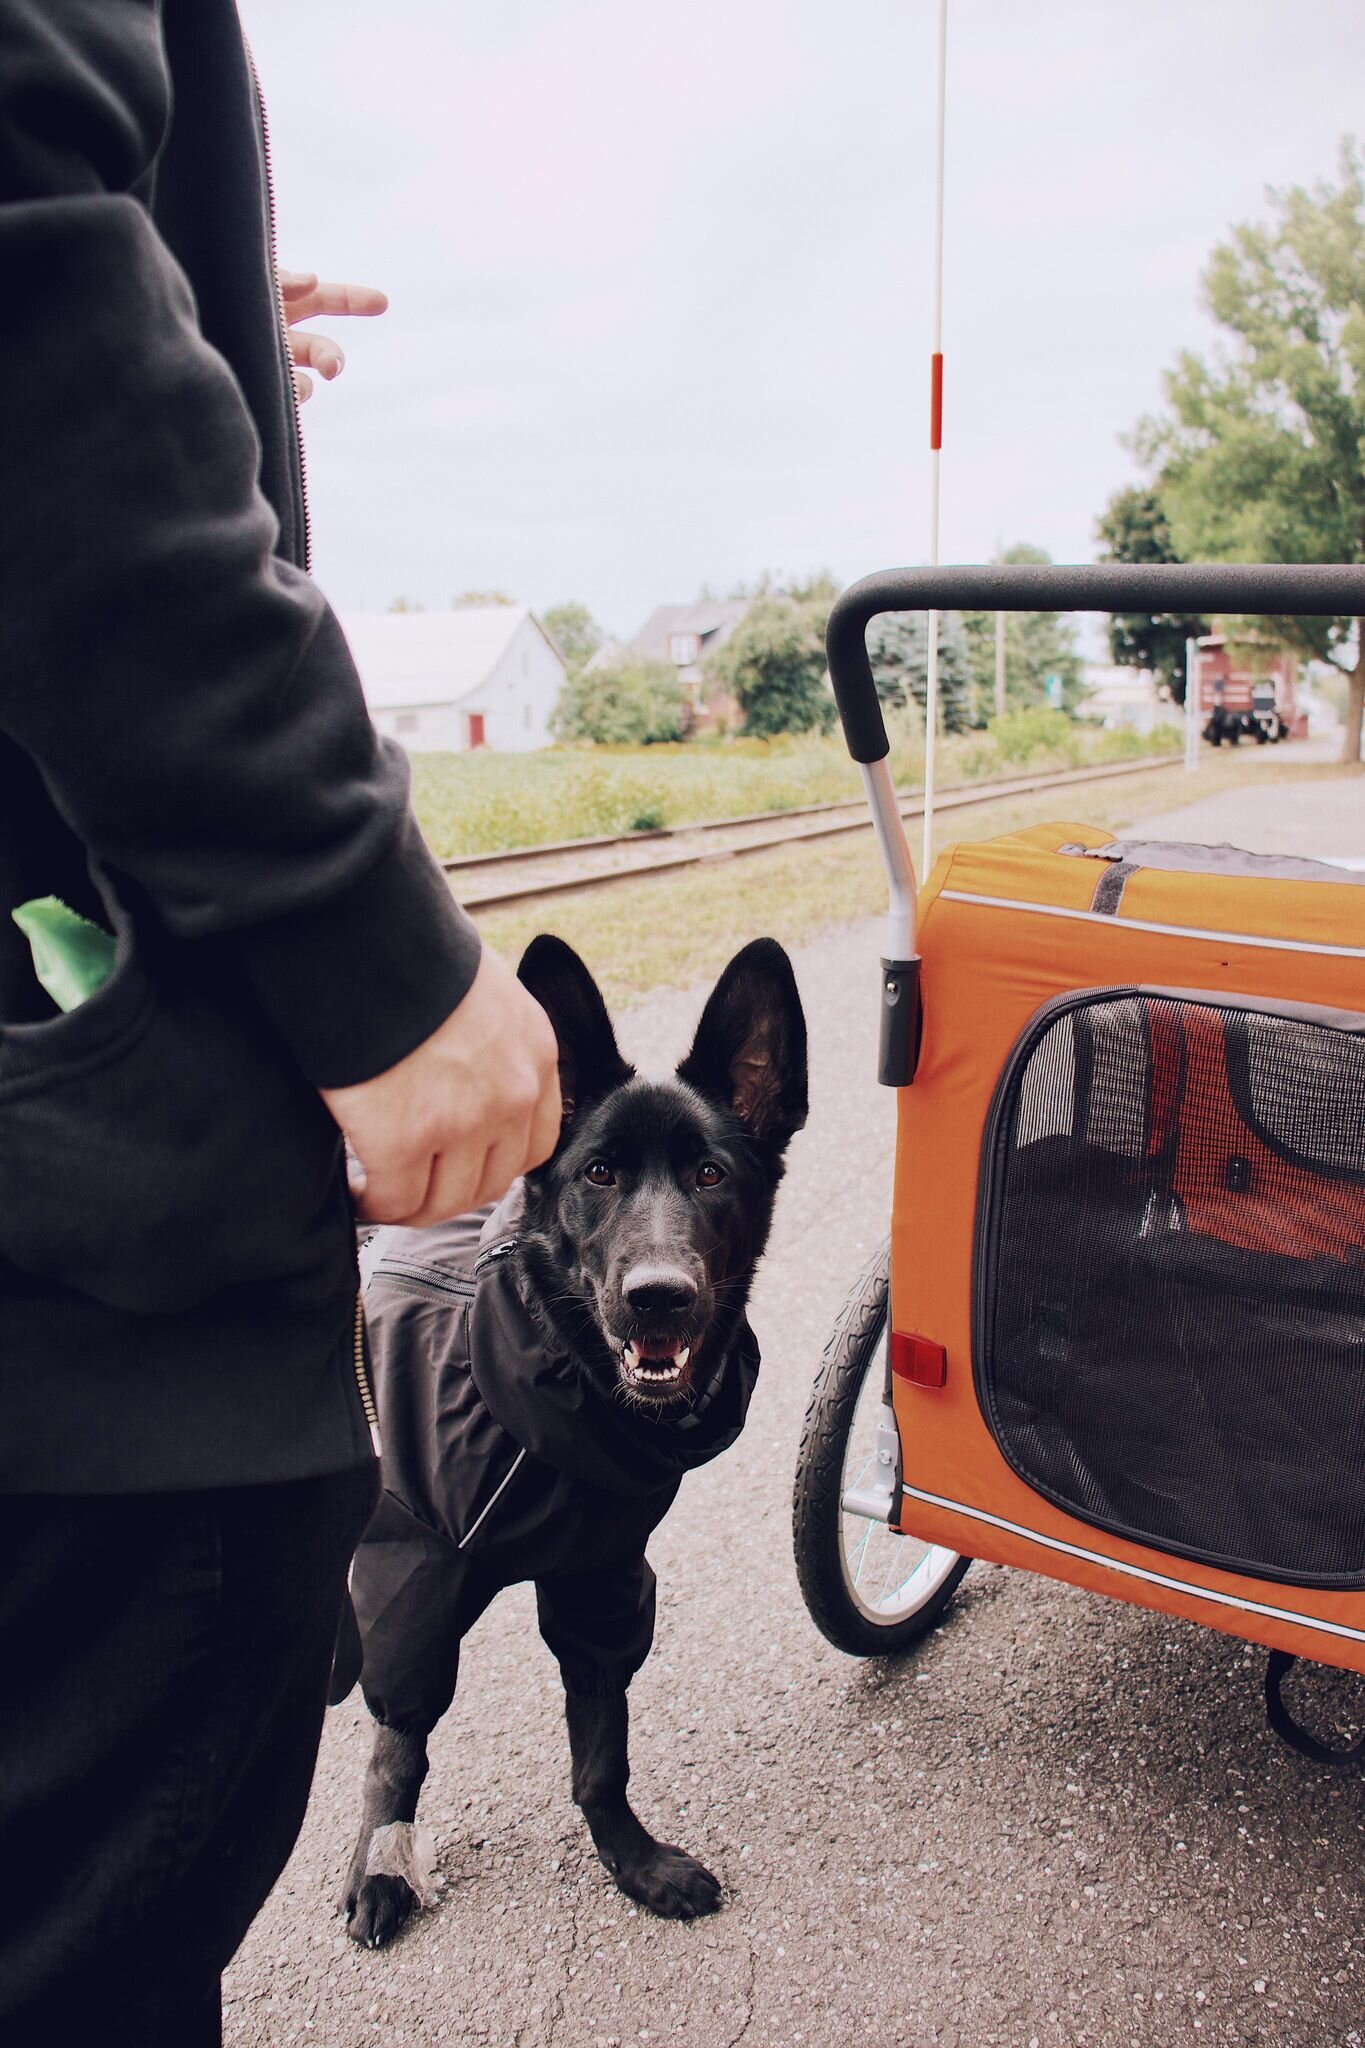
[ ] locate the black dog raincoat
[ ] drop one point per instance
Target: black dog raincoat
(502, 1462)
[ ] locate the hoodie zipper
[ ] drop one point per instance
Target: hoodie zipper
(362, 1376)
(280, 305)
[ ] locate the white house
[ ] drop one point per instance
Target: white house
(478, 676)
(1125, 698)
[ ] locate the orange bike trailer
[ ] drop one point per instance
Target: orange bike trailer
(1127, 1255)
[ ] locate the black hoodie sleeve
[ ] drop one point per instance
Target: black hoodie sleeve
(185, 693)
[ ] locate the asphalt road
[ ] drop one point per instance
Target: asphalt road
(1062, 1824)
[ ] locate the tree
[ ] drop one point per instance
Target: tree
(627, 703)
(898, 649)
(774, 665)
(575, 633)
(819, 588)
(475, 600)
(1134, 528)
(1259, 458)
(1038, 645)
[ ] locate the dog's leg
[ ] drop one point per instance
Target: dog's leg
(429, 1600)
(667, 1880)
(378, 1908)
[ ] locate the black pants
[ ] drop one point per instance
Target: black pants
(163, 1666)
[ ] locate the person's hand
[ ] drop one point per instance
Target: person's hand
(452, 1125)
(304, 296)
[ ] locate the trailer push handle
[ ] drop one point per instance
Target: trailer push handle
(1312, 590)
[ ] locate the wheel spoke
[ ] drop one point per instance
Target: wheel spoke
(860, 1551)
(888, 1576)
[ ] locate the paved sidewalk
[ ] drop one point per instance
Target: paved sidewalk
(1322, 820)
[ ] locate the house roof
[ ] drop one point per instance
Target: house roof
(414, 658)
(703, 619)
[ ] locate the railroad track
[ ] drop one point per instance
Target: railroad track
(560, 866)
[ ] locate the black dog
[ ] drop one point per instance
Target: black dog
(541, 1397)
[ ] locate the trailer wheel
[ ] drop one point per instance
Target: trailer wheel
(869, 1591)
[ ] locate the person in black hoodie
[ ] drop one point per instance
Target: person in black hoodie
(185, 758)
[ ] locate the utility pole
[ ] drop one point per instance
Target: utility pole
(1191, 707)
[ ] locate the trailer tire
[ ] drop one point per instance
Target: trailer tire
(851, 1570)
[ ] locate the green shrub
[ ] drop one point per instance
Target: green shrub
(1025, 735)
(627, 703)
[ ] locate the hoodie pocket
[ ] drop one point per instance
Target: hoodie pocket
(158, 1145)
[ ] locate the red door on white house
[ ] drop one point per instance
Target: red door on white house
(474, 729)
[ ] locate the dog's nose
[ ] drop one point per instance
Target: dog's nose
(659, 1291)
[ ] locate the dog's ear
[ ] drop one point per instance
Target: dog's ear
(750, 1048)
(589, 1063)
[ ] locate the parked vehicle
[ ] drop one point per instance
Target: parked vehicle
(1237, 702)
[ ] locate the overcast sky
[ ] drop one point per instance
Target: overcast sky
(660, 274)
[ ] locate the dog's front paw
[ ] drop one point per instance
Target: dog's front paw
(379, 1909)
(670, 1882)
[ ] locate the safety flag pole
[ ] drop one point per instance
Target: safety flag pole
(935, 444)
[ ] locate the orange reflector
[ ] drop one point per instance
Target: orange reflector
(919, 1360)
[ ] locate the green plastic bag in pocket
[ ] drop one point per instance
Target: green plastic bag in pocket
(71, 957)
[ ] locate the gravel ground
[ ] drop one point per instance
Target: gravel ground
(1062, 1823)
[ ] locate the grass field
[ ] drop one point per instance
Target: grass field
(676, 930)
(483, 802)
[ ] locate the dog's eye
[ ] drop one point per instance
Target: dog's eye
(600, 1174)
(709, 1175)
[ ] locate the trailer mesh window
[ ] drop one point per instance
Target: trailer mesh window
(1170, 1283)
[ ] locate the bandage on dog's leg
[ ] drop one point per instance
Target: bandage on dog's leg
(379, 1900)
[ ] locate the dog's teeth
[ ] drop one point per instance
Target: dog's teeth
(653, 1370)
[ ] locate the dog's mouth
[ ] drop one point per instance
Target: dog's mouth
(656, 1368)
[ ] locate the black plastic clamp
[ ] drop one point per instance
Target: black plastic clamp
(898, 1053)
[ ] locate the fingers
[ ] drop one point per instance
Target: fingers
(455, 1183)
(306, 295)
(319, 352)
(501, 1165)
(419, 1192)
(393, 1191)
(356, 301)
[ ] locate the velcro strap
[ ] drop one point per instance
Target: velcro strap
(1288, 1729)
